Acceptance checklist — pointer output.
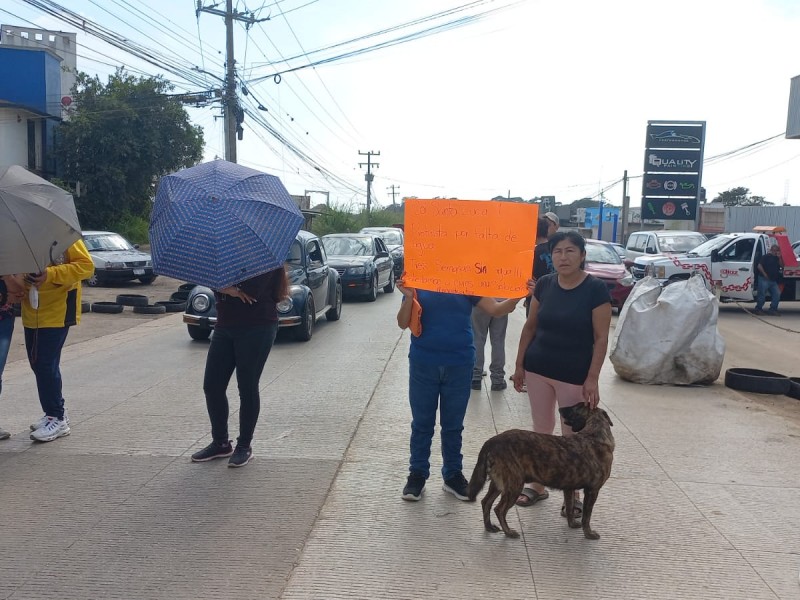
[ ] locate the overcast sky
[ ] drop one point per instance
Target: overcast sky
(535, 98)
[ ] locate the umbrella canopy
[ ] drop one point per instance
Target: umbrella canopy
(219, 223)
(38, 221)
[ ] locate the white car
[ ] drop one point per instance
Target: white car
(658, 243)
(116, 259)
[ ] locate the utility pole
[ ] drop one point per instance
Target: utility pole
(626, 206)
(231, 110)
(369, 176)
(394, 193)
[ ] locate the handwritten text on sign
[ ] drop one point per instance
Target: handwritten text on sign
(470, 246)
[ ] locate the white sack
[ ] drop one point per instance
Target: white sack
(669, 335)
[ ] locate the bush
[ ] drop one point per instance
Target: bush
(132, 228)
(343, 220)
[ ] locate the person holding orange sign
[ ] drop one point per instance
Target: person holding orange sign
(440, 371)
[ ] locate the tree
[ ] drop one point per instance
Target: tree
(120, 139)
(740, 196)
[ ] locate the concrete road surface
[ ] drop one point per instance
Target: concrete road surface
(702, 502)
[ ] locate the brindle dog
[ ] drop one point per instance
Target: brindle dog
(580, 461)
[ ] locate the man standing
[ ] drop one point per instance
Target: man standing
(56, 307)
(769, 271)
(484, 325)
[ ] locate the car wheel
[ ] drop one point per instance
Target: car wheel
(372, 294)
(150, 309)
(389, 288)
(335, 312)
(93, 281)
(132, 300)
(306, 327)
(147, 280)
(198, 333)
(109, 308)
(758, 381)
(86, 306)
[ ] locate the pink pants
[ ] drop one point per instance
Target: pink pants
(544, 395)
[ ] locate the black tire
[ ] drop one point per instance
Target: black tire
(148, 279)
(86, 306)
(133, 300)
(305, 329)
(198, 333)
(794, 388)
(181, 296)
(150, 309)
(756, 380)
(335, 312)
(372, 294)
(389, 287)
(172, 305)
(109, 308)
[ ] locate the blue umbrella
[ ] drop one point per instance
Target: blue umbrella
(219, 223)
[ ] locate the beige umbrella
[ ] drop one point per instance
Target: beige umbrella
(38, 221)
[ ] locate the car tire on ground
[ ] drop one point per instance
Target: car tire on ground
(198, 333)
(110, 308)
(335, 312)
(172, 305)
(132, 300)
(150, 309)
(389, 287)
(372, 294)
(794, 388)
(148, 279)
(86, 306)
(757, 381)
(305, 329)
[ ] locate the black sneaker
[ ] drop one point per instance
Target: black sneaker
(457, 485)
(499, 386)
(414, 486)
(212, 451)
(241, 456)
(476, 384)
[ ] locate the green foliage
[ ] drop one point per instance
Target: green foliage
(343, 220)
(740, 196)
(133, 228)
(121, 137)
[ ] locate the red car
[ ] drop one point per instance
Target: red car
(603, 262)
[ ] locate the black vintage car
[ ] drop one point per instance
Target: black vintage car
(315, 290)
(394, 238)
(363, 263)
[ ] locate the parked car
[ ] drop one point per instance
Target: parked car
(394, 238)
(619, 249)
(796, 248)
(605, 264)
(659, 243)
(315, 290)
(363, 263)
(116, 259)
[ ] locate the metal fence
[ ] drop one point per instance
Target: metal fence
(744, 218)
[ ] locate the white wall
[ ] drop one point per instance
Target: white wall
(13, 137)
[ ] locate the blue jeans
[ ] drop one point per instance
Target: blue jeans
(767, 285)
(244, 350)
(6, 329)
(44, 355)
(448, 388)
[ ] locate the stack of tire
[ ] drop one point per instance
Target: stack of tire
(762, 382)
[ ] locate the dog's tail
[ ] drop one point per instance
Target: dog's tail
(478, 474)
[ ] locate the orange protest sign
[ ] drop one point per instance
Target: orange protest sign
(473, 247)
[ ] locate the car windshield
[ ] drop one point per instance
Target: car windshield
(679, 243)
(295, 257)
(620, 250)
(600, 253)
(107, 242)
(705, 248)
(348, 246)
(392, 238)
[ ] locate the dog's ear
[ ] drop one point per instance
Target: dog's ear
(607, 418)
(574, 416)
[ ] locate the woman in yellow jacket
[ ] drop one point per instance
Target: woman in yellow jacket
(47, 322)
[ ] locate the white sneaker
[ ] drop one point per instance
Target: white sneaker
(53, 429)
(43, 421)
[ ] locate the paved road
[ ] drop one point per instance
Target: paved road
(702, 502)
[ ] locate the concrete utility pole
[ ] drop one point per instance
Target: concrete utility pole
(234, 115)
(626, 207)
(394, 193)
(369, 176)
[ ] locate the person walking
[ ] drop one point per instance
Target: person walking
(563, 344)
(247, 323)
(12, 289)
(440, 363)
(46, 320)
(769, 276)
(484, 325)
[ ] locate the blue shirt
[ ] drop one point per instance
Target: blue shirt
(446, 338)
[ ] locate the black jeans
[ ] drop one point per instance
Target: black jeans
(244, 350)
(44, 355)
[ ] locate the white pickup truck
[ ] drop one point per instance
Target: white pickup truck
(729, 264)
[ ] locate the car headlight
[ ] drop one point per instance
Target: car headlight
(659, 272)
(201, 302)
(357, 270)
(114, 265)
(148, 263)
(627, 281)
(285, 305)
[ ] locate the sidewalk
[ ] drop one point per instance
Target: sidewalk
(702, 502)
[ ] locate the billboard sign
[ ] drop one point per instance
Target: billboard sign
(669, 209)
(671, 161)
(674, 136)
(667, 184)
(592, 216)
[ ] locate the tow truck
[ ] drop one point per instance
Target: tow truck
(729, 264)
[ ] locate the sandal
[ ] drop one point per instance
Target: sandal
(531, 496)
(577, 509)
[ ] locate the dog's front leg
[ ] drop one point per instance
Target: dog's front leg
(569, 509)
(589, 498)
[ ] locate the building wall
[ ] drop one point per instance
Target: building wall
(14, 137)
(31, 78)
(744, 218)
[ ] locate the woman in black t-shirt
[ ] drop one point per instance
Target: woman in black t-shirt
(563, 343)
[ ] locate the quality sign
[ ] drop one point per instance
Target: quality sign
(672, 161)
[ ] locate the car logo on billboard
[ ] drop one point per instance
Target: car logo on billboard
(653, 184)
(673, 136)
(670, 185)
